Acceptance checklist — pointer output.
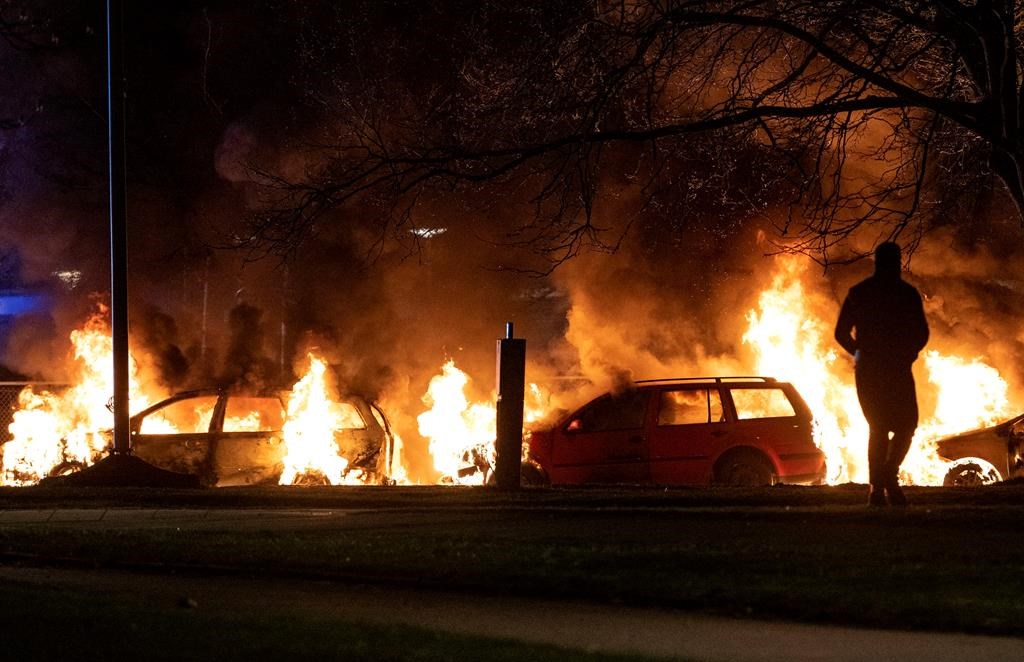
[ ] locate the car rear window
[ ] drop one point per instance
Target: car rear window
(761, 402)
(690, 407)
(246, 414)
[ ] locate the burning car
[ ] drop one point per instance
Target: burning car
(985, 456)
(727, 430)
(232, 439)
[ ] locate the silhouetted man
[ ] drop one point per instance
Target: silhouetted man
(890, 329)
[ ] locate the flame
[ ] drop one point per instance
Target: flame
(793, 344)
(790, 331)
(250, 422)
(71, 427)
(970, 394)
(458, 432)
(399, 475)
(50, 428)
(313, 416)
(461, 433)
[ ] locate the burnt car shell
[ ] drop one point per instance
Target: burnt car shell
(223, 452)
(1000, 445)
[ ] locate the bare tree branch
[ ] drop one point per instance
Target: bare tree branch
(826, 86)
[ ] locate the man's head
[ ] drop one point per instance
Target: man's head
(888, 260)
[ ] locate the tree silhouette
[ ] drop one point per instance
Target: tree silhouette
(886, 113)
(31, 28)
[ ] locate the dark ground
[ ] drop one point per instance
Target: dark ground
(952, 561)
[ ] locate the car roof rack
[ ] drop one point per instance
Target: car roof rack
(717, 380)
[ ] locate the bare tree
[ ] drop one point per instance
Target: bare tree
(28, 29)
(880, 110)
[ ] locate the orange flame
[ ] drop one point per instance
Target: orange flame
(51, 428)
(456, 429)
(461, 433)
(792, 341)
(313, 416)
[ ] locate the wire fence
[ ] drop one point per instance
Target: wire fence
(9, 392)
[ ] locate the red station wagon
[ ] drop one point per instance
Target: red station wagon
(728, 430)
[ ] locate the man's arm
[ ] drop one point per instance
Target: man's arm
(919, 334)
(844, 327)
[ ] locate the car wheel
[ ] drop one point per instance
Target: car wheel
(66, 467)
(745, 470)
(971, 472)
(311, 479)
(532, 474)
(529, 474)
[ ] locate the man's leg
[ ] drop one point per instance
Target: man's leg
(878, 453)
(898, 447)
(897, 451)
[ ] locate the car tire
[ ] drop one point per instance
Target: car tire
(532, 474)
(746, 469)
(970, 474)
(65, 468)
(529, 474)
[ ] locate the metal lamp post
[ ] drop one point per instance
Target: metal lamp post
(118, 221)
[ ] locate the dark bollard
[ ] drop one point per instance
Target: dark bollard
(508, 448)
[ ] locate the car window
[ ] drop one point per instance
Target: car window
(378, 416)
(244, 414)
(690, 406)
(620, 412)
(186, 416)
(761, 402)
(350, 417)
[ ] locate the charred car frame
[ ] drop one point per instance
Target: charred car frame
(230, 439)
(985, 456)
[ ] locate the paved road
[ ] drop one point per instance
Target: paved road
(569, 624)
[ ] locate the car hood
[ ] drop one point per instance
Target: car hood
(1000, 429)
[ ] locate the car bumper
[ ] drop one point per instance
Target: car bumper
(802, 468)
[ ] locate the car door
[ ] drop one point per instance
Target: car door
(248, 446)
(604, 442)
(360, 436)
(175, 434)
(688, 426)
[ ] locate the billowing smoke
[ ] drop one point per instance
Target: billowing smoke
(155, 333)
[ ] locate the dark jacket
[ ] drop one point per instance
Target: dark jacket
(888, 317)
